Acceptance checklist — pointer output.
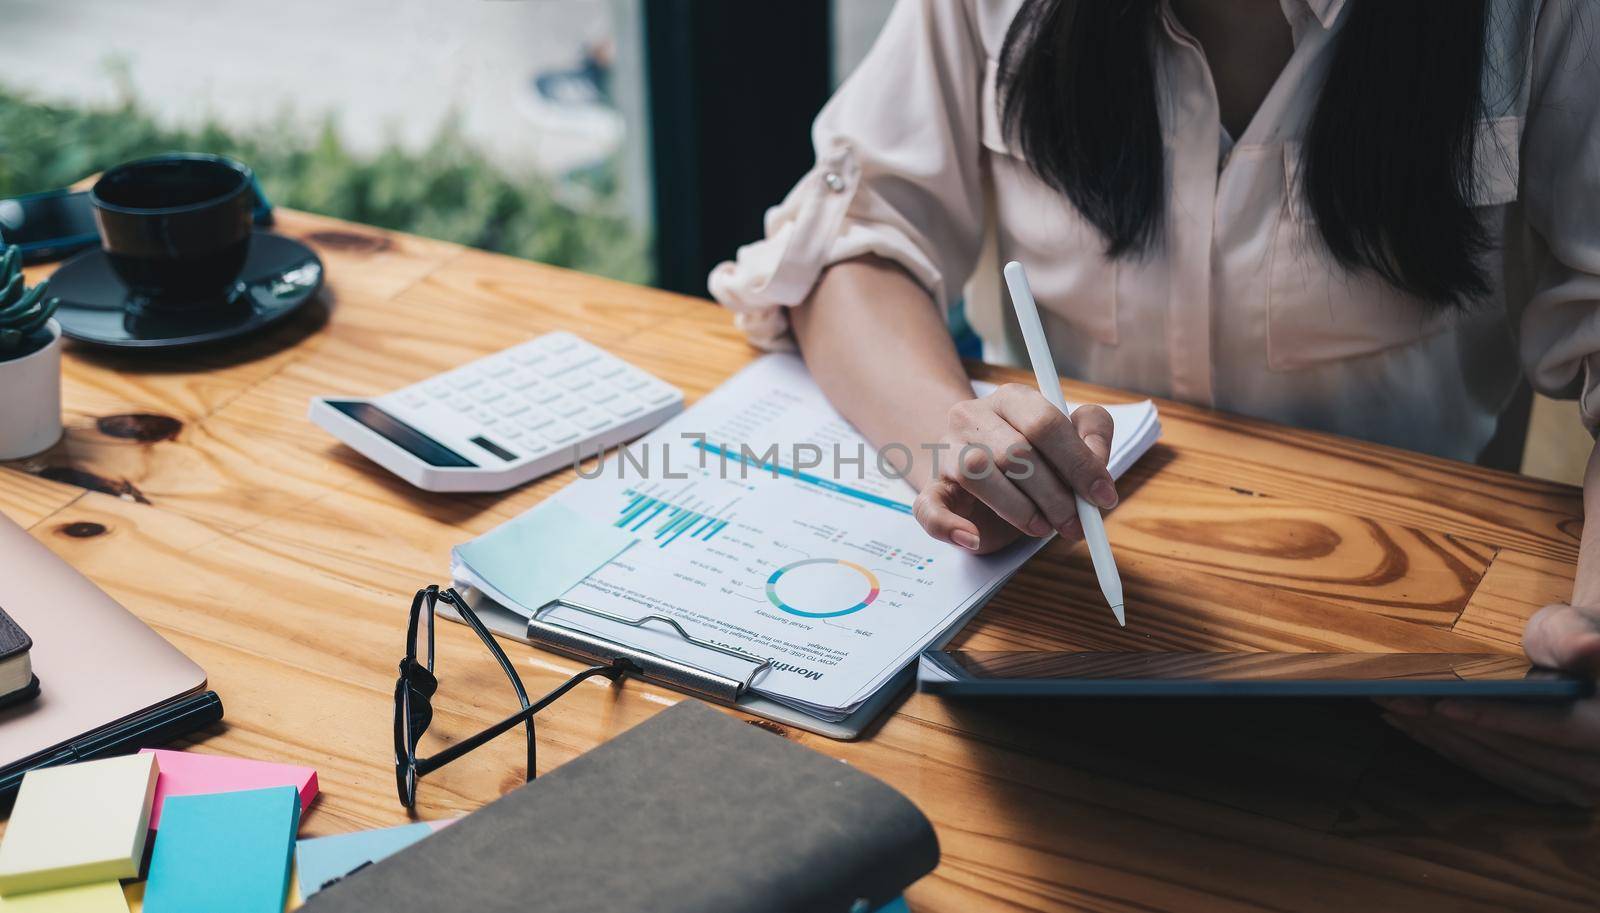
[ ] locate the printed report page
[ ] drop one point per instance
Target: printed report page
(764, 524)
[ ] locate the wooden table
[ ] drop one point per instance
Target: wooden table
(194, 490)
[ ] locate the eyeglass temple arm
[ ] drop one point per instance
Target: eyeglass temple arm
(426, 765)
(449, 595)
(455, 599)
(415, 619)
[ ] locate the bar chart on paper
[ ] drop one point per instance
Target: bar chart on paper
(761, 522)
(743, 537)
(736, 529)
(732, 538)
(665, 521)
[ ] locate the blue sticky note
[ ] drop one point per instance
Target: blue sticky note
(541, 554)
(898, 905)
(224, 851)
(320, 860)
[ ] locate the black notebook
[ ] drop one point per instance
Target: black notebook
(693, 811)
(17, 681)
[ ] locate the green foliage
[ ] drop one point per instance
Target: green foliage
(448, 191)
(23, 311)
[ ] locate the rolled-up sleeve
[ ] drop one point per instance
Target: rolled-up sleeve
(1560, 190)
(896, 175)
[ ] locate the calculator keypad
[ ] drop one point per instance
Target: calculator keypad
(531, 399)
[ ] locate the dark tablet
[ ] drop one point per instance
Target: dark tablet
(1212, 675)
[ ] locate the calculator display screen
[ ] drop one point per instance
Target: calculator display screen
(401, 434)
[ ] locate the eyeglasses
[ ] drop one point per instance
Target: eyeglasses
(414, 690)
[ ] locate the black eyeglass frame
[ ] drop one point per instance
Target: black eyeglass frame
(412, 720)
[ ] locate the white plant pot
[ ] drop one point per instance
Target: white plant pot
(30, 399)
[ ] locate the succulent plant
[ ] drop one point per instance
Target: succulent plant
(23, 310)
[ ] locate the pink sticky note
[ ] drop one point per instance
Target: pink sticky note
(185, 773)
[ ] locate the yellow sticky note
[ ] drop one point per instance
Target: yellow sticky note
(78, 824)
(134, 892)
(100, 897)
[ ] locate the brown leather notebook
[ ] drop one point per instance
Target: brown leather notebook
(17, 681)
(692, 811)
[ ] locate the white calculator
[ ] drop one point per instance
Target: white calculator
(505, 418)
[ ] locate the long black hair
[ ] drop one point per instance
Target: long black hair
(1388, 166)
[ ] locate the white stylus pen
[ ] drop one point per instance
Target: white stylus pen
(1044, 371)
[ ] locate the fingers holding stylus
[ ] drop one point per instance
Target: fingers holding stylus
(1022, 459)
(986, 454)
(1066, 457)
(1095, 428)
(1062, 460)
(951, 514)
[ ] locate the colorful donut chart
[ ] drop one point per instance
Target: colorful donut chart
(772, 588)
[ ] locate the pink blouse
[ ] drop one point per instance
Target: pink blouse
(1241, 309)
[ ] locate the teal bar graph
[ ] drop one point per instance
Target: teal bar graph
(670, 521)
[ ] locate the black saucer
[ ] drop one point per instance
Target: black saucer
(279, 276)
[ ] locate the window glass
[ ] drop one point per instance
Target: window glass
(513, 125)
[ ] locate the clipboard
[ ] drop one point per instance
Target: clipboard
(538, 557)
(670, 673)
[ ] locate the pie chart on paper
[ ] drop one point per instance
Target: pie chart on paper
(822, 588)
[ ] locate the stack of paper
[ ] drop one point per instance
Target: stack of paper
(76, 827)
(77, 831)
(761, 522)
(224, 851)
(95, 897)
(188, 773)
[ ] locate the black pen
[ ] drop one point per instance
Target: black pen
(157, 726)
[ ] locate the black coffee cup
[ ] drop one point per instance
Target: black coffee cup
(176, 227)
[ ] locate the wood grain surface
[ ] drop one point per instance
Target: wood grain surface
(193, 489)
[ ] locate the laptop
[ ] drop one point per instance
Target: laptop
(99, 667)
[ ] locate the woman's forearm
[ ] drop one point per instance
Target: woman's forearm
(880, 350)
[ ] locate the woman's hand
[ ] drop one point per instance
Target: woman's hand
(1545, 752)
(1009, 464)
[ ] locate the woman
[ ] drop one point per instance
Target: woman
(1372, 217)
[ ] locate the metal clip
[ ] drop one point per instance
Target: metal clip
(649, 665)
